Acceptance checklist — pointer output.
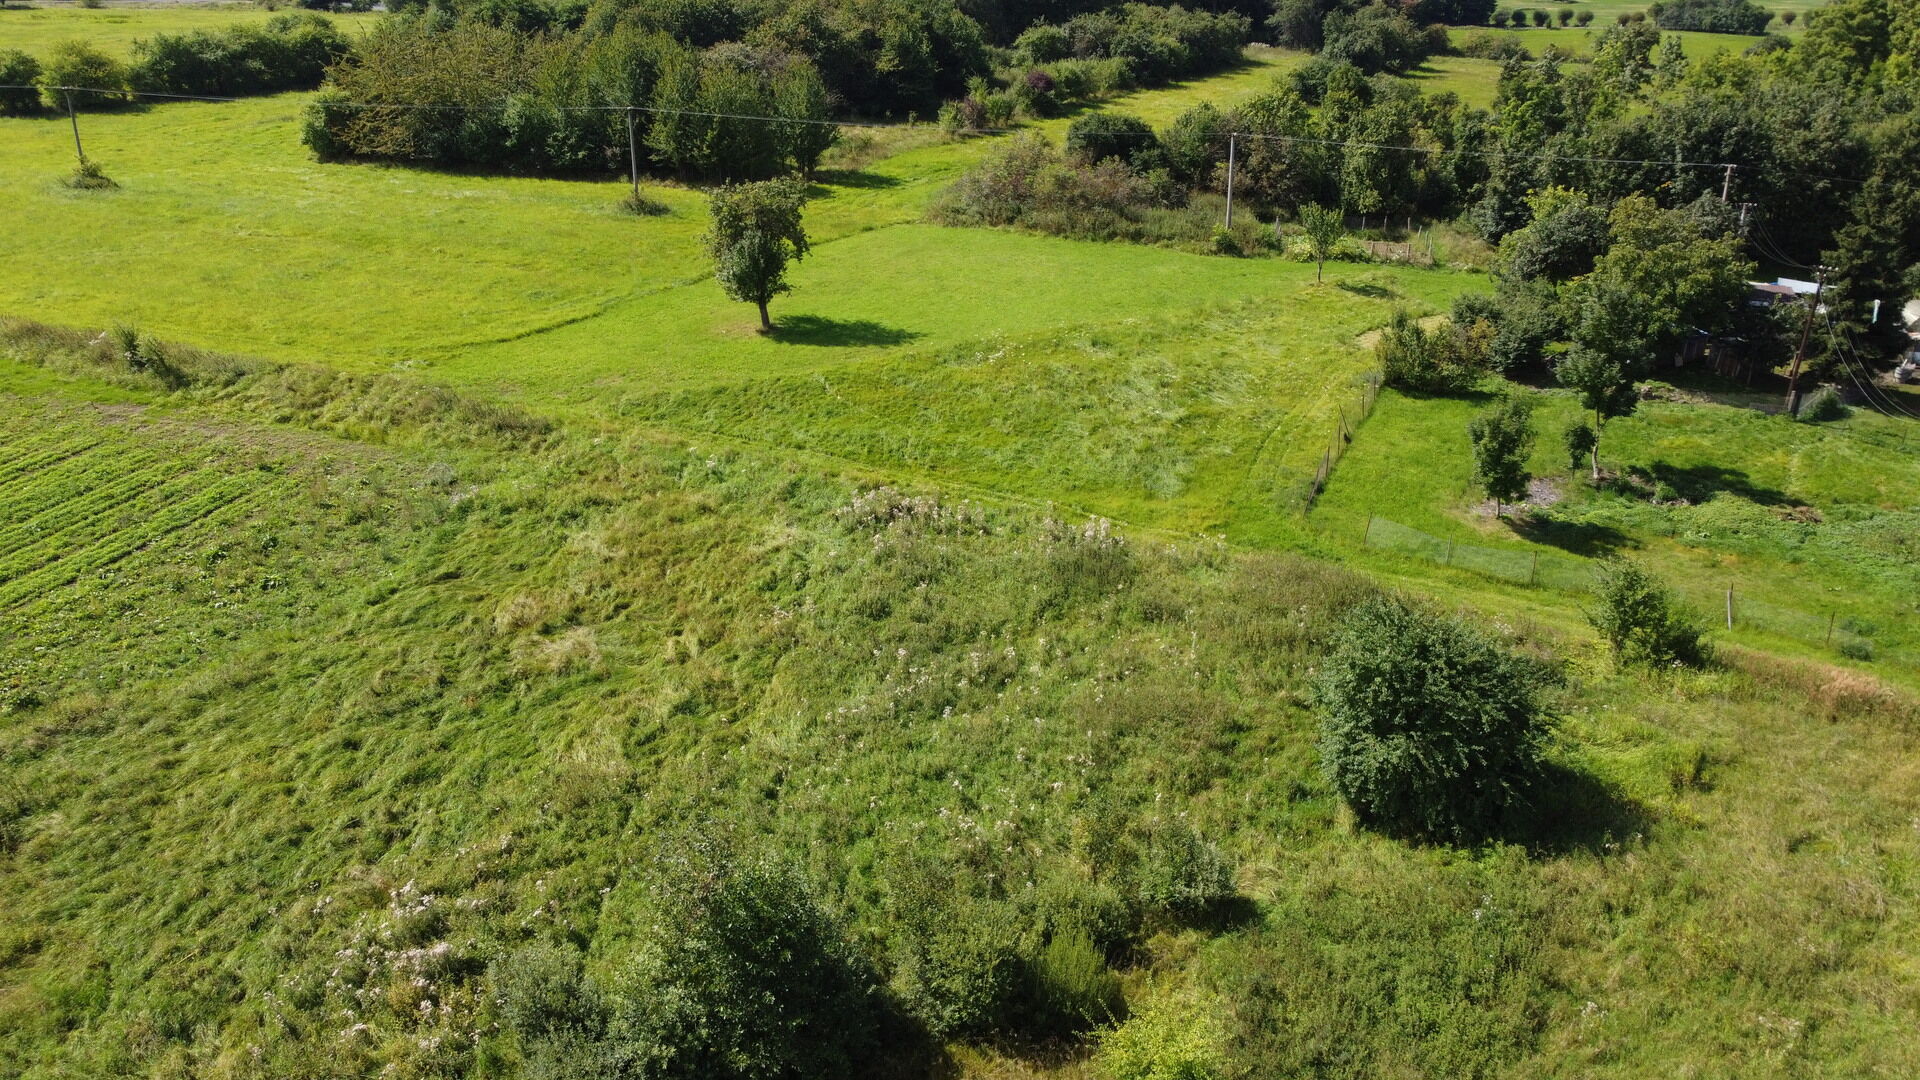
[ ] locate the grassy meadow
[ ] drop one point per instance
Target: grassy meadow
(114, 29)
(469, 544)
(490, 660)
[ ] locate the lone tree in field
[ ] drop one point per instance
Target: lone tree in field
(1502, 439)
(1324, 229)
(1429, 727)
(756, 231)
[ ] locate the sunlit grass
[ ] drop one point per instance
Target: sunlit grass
(36, 30)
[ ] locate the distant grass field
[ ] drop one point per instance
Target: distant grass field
(114, 28)
(1577, 42)
(346, 264)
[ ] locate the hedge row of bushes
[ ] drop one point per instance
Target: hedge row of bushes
(1157, 43)
(288, 52)
(1711, 16)
(1096, 54)
(541, 103)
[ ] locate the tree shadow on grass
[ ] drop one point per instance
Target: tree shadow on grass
(820, 330)
(1574, 537)
(1698, 483)
(1366, 289)
(853, 178)
(1570, 810)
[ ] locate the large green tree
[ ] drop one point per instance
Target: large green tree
(1502, 438)
(756, 232)
(1661, 280)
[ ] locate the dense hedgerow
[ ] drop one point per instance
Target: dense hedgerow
(1711, 16)
(1130, 182)
(1430, 727)
(538, 102)
(291, 52)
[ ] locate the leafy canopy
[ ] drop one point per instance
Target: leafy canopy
(1429, 726)
(1502, 438)
(756, 232)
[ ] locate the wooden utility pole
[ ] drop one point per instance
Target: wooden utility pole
(1230, 164)
(1800, 354)
(75, 118)
(1726, 184)
(633, 157)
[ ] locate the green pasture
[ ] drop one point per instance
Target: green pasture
(1210, 421)
(114, 29)
(510, 549)
(496, 667)
(1578, 42)
(1734, 516)
(1605, 11)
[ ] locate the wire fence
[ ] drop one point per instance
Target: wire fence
(1350, 418)
(1839, 628)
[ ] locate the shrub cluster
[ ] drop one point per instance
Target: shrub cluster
(1029, 183)
(738, 974)
(77, 64)
(290, 52)
(1284, 159)
(17, 69)
(1098, 53)
(1641, 619)
(1711, 16)
(1379, 38)
(1822, 405)
(1429, 726)
(1447, 359)
(1035, 964)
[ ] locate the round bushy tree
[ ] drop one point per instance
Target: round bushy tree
(77, 72)
(1429, 726)
(18, 73)
(740, 974)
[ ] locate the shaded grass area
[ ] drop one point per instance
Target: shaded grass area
(511, 671)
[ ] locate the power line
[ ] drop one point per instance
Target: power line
(1848, 357)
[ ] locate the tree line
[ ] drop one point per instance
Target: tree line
(288, 52)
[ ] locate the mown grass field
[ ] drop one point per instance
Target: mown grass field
(521, 552)
(114, 29)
